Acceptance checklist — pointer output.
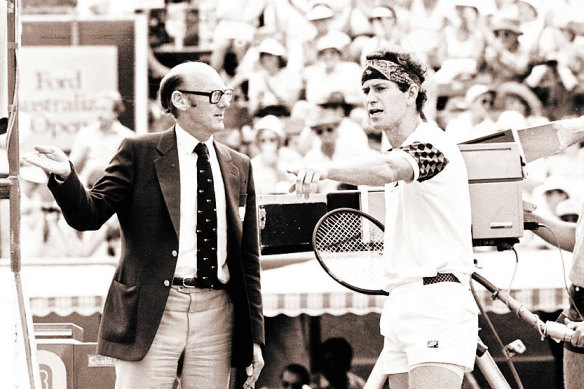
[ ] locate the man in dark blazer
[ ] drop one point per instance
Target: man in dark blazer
(157, 311)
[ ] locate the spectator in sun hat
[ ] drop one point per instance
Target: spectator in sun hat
(323, 19)
(272, 157)
(505, 59)
(273, 87)
(476, 120)
(386, 31)
(464, 44)
(519, 106)
(331, 73)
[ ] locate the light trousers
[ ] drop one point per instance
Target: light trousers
(198, 322)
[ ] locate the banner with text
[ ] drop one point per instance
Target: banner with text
(57, 89)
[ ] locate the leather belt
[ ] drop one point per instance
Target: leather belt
(193, 282)
(440, 277)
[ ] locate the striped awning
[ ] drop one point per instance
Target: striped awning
(303, 287)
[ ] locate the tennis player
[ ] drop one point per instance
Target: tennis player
(429, 322)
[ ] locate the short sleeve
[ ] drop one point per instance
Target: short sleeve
(430, 160)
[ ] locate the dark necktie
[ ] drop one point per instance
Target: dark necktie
(206, 221)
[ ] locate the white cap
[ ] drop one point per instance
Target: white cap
(272, 46)
(270, 122)
(333, 40)
(319, 11)
(567, 207)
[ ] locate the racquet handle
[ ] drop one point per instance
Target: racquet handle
(557, 331)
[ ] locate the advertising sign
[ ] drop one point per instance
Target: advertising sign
(57, 86)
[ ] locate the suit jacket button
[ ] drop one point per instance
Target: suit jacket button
(174, 253)
(166, 283)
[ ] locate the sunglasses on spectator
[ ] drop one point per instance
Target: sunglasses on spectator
(322, 130)
(214, 96)
(504, 33)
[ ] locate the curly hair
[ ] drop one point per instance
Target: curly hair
(410, 64)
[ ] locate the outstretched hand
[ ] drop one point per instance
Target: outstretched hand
(51, 159)
(306, 181)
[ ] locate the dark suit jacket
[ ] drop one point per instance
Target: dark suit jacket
(142, 185)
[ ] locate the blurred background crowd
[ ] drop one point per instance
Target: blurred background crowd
(295, 67)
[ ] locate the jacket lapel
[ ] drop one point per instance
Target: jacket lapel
(167, 171)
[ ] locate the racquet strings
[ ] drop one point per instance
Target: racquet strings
(350, 247)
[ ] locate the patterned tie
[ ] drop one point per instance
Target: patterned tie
(206, 221)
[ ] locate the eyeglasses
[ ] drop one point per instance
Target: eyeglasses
(322, 130)
(214, 96)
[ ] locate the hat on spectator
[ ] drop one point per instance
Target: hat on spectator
(475, 91)
(467, 3)
(333, 40)
(335, 99)
(506, 24)
(382, 12)
(319, 11)
(270, 122)
(532, 4)
(272, 46)
(567, 208)
(524, 93)
(555, 183)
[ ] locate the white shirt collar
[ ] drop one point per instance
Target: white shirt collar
(187, 142)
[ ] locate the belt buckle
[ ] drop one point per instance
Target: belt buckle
(188, 279)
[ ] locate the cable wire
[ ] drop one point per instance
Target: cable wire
(497, 338)
(566, 287)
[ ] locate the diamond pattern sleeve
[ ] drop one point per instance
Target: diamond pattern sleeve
(430, 160)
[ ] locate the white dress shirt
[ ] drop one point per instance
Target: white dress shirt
(186, 265)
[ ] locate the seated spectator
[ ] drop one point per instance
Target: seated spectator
(350, 138)
(386, 32)
(272, 158)
(335, 136)
(323, 20)
(519, 107)
(476, 120)
(552, 192)
(273, 88)
(559, 77)
(95, 145)
(331, 73)
(505, 59)
(463, 46)
(334, 366)
(424, 26)
(237, 22)
(294, 376)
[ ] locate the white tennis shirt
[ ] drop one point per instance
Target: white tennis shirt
(428, 221)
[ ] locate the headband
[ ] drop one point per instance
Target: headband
(381, 68)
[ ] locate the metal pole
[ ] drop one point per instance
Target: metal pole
(13, 175)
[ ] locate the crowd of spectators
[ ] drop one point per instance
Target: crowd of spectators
(295, 66)
(493, 65)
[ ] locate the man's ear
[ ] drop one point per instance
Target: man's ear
(180, 101)
(413, 91)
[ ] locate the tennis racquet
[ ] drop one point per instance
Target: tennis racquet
(348, 244)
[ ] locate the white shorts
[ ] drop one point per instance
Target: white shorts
(429, 324)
